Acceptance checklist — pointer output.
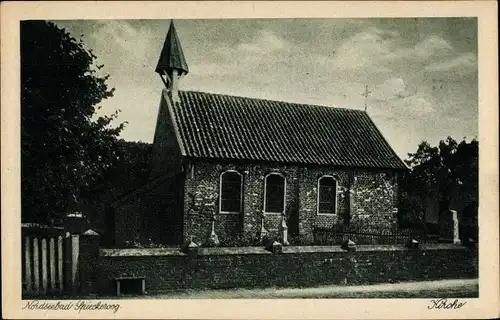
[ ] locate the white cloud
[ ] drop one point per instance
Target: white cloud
(209, 69)
(390, 88)
(115, 28)
(363, 50)
(392, 98)
(263, 48)
(376, 50)
(264, 42)
(120, 33)
(417, 105)
(432, 46)
(464, 62)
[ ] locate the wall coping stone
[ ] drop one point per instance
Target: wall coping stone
(216, 251)
(202, 251)
(441, 246)
(402, 247)
(311, 249)
(141, 252)
(220, 251)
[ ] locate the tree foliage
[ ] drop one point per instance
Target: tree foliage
(446, 170)
(130, 172)
(65, 146)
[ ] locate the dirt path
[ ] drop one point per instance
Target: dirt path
(423, 289)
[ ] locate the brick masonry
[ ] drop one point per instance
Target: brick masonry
(365, 199)
(296, 268)
(88, 262)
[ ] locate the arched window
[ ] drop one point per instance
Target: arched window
(275, 190)
(327, 195)
(230, 193)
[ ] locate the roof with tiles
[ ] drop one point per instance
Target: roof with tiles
(217, 126)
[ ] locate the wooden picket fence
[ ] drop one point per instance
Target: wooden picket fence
(49, 261)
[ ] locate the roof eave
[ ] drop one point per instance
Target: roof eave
(297, 163)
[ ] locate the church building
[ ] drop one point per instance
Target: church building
(230, 170)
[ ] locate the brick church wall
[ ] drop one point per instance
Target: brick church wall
(375, 201)
(202, 201)
(366, 200)
(308, 197)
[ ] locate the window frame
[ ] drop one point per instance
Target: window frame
(265, 192)
(336, 196)
(241, 193)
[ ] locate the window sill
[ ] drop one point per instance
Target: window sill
(229, 213)
(273, 213)
(326, 214)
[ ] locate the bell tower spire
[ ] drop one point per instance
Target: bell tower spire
(172, 64)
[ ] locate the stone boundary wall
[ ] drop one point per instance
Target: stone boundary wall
(301, 266)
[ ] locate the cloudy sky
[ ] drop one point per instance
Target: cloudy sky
(422, 72)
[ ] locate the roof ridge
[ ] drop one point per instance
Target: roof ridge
(279, 101)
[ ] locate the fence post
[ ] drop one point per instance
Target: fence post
(456, 226)
(60, 278)
(36, 264)
(27, 265)
(44, 265)
(52, 264)
(75, 251)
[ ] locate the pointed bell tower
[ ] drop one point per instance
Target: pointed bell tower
(172, 64)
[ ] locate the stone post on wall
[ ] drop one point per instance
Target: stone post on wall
(71, 265)
(213, 239)
(351, 197)
(284, 230)
(456, 227)
(449, 225)
(88, 261)
(263, 232)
